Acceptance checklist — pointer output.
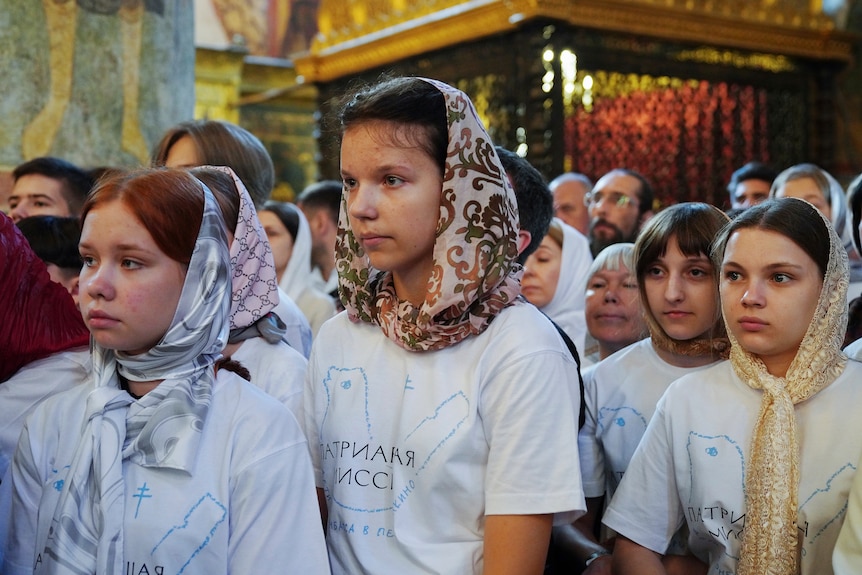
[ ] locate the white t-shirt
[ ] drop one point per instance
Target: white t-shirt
(278, 369)
(298, 334)
(621, 394)
(847, 557)
(413, 449)
(249, 505)
(690, 467)
(854, 350)
(30, 386)
(317, 307)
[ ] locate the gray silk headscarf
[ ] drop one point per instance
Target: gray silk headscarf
(162, 429)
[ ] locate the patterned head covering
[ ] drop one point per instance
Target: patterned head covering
(475, 274)
(770, 538)
(38, 317)
(162, 429)
(254, 291)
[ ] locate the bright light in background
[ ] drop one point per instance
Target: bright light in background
(588, 82)
(569, 73)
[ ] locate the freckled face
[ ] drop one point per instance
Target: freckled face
(129, 288)
(393, 202)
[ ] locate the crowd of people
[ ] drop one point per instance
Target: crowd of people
(439, 364)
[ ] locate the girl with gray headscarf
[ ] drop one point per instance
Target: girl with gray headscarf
(166, 461)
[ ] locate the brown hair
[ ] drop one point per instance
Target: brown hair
(224, 190)
(408, 103)
(168, 203)
(694, 225)
(795, 219)
(220, 143)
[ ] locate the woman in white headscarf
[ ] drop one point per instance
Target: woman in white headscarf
(290, 237)
(818, 187)
(166, 460)
(555, 277)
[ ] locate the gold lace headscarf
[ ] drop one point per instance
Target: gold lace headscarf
(770, 538)
(475, 273)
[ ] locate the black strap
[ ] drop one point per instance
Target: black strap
(582, 412)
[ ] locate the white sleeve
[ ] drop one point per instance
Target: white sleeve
(847, 556)
(646, 506)
(274, 518)
(21, 492)
(313, 385)
(590, 451)
(527, 415)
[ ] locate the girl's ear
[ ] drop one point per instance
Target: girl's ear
(524, 238)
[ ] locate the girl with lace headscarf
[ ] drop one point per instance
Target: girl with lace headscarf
(440, 400)
(751, 454)
(163, 462)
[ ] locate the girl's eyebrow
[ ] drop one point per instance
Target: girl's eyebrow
(772, 266)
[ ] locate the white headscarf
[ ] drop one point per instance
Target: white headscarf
(297, 277)
(162, 429)
(568, 306)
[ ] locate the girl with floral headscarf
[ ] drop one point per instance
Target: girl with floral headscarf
(752, 454)
(438, 402)
(163, 462)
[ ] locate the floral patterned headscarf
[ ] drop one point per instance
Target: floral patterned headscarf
(475, 273)
(770, 541)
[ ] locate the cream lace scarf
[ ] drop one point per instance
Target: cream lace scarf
(770, 539)
(475, 272)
